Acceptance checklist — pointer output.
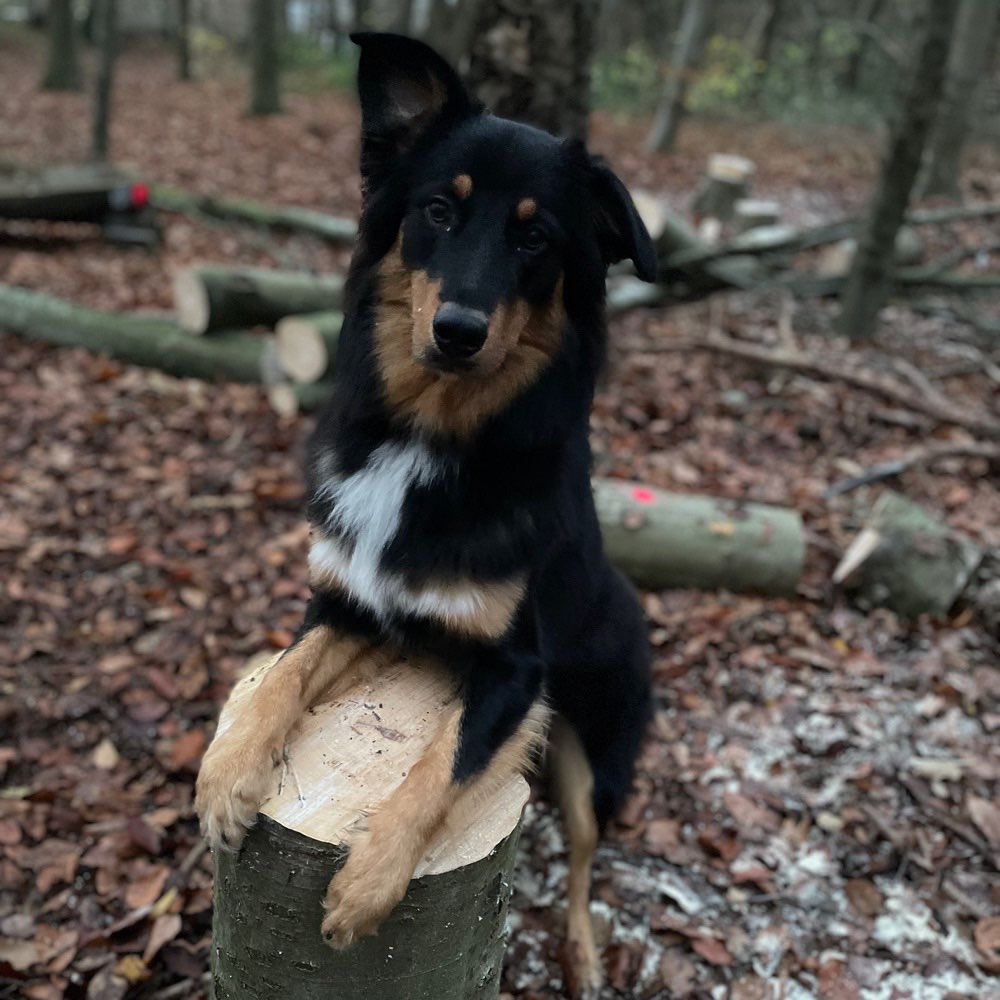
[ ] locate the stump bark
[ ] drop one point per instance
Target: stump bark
(444, 941)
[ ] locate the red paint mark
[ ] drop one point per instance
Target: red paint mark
(642, 495)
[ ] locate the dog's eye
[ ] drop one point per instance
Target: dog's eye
(440, 213)
(534, 240)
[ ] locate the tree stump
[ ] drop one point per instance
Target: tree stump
(444, 941)
(727, 180)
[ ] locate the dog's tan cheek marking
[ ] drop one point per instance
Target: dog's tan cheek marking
(526, 209)
(462, 186)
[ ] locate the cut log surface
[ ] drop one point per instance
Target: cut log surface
(307, 344)
(219, 298)
(445, 940)
(726, 182)
(660, 539)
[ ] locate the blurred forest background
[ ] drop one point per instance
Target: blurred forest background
(812, 388)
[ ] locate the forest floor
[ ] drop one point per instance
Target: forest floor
(815, 812)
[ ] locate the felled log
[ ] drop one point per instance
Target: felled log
(660, 539)
(907, 560)
(210, 298)
(85, 193)
(727, 179)
(444, 941)
(140, 340)
(307, 344)
(753, 213)
(286, 217)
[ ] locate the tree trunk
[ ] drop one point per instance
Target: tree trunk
(763, 46)
(108, 21)
(64, 68)
(968, 64)
(139, 340)
(868, 283)
(691, 38)
(661, 539)
(265, 95)
(867, 13)
(184, 39)
(444, 941)
(220, 298)
(530, 60)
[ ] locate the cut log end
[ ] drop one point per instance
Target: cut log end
(306, 344)
(191, 302)
(445, 939)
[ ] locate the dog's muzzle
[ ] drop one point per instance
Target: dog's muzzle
(459, 332)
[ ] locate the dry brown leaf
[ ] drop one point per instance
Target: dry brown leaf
(986, 815)
(145, 890)
(165, 929)
(864, 896)
(712, 950)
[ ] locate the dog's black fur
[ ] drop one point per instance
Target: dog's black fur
(513, 496)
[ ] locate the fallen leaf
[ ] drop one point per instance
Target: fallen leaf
(864, 896)
(712, 950)
(986, 815)
(987, 938)
(146, 890)
(105, 755)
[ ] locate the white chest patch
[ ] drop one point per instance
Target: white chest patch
(366, 509)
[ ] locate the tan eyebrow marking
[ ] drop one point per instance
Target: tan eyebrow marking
(462, 186)
(526, 208)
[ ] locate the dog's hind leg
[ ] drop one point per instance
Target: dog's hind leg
(238, 767)
(573, 785)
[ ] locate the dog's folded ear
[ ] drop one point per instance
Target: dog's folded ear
(620, 231)
(406, 88)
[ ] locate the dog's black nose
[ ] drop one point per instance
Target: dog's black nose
(459, 332)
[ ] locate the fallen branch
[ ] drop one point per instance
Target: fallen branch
(918, 456)
(934, 405)
(329, 227)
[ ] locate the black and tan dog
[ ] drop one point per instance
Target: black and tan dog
(450, 497)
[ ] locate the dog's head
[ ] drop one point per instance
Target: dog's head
(488, 231)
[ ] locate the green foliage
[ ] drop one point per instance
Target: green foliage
(627, 81)
(797, 87)
(801, 85)
(314, 67)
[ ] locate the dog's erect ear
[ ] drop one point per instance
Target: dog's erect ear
(620, 231)
(405, 87)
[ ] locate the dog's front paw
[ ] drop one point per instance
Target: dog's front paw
(363, 893)
(235, 776)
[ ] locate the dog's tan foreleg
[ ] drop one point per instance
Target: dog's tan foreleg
(383, 858)
(573, 782)
(238, 767)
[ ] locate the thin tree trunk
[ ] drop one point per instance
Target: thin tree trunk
(108, 25)
(691, 39)
(530, 60)
(184, 39)
(968, 63)
(763, 46)
(867, 12)
(868, 282)
(265, 96)
(64, 68)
